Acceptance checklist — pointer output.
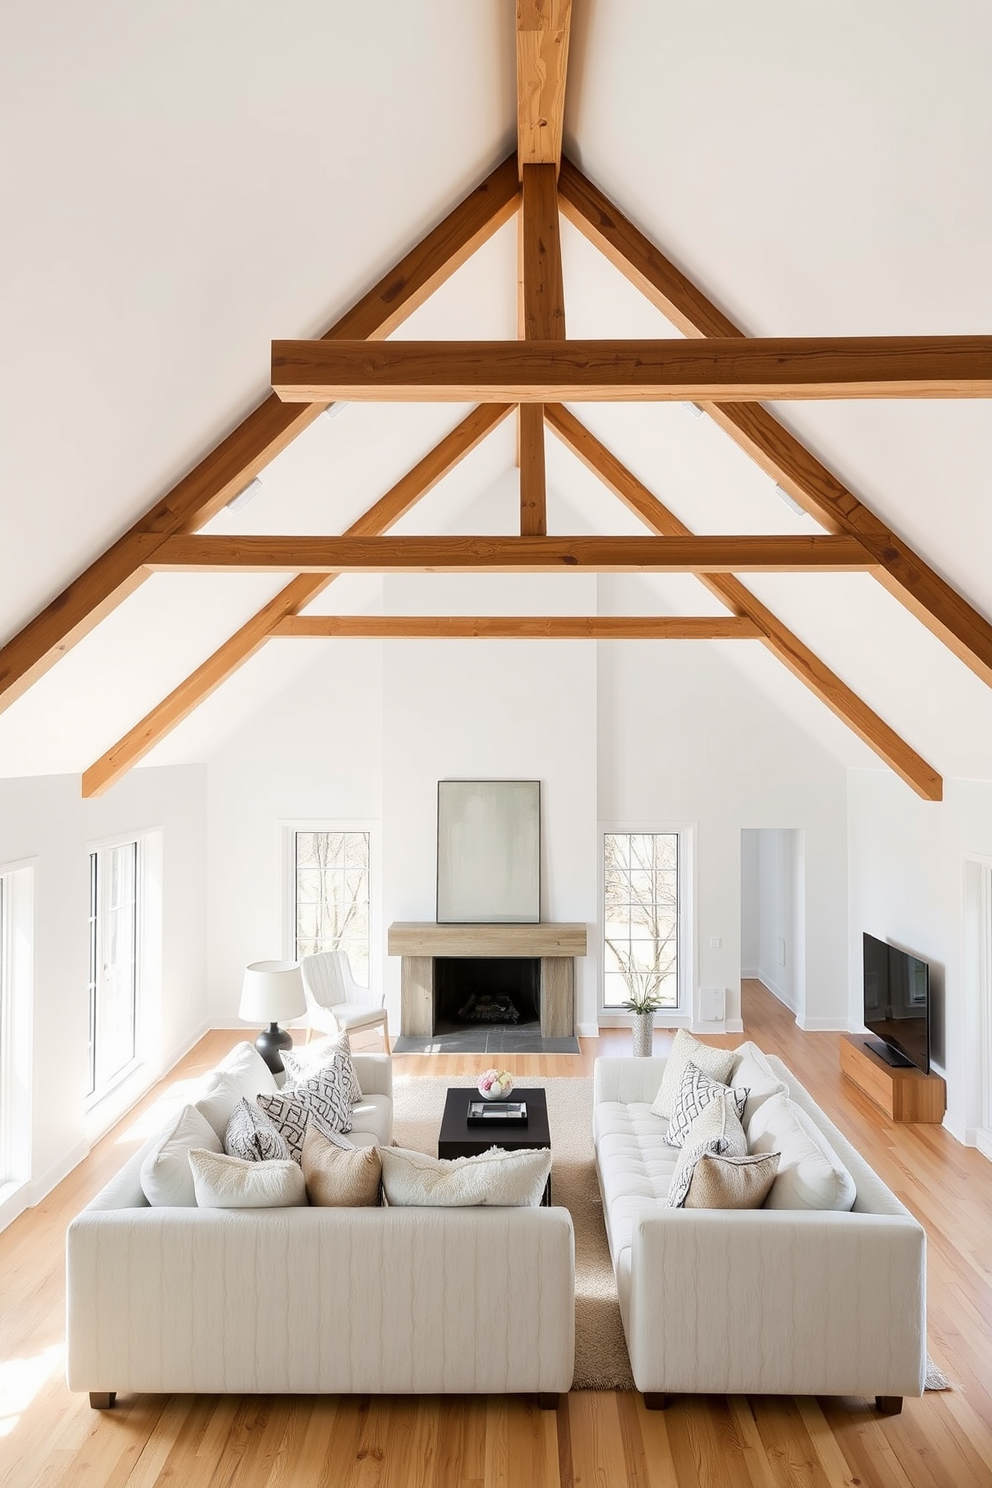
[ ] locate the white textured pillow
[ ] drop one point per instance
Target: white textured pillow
(717, 1129)
(223, 1182)
(166, 1180)
(810, 1174)
(716, 1063)
(309, 1059)
(696, 1092)
(242, 1074)
(751, 1068)
(505, 1179)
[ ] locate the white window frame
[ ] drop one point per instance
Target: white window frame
(16, 1030)
(682, 1015)
(332, 824)
(148, 851)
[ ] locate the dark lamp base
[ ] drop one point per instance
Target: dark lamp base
(270, 1043)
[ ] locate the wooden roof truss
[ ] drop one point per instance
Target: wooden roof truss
(715, 366)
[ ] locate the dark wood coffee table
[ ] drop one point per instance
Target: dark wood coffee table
(457, 1139)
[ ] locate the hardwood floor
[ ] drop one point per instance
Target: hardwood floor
(49, 1437)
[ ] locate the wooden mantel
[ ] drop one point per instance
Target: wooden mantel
(426, 938)
(420, 942)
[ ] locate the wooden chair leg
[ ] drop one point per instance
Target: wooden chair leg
(653, 1400)
(102, 1399)
(549, 1400)
(889, 1405)
(385, 1037)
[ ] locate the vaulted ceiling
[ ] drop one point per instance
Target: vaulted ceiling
(191, 183)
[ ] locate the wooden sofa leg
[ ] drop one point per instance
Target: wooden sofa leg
(655, 1401)
(102, 1399)
(549, 1399)
(889, 1405)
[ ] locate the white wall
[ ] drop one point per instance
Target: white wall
(908, 861)
(685, 739)
(312, 754)
(750, 902)
(45, 823)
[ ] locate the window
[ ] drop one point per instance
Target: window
(113, 978)
(641, 917)
(333, 896)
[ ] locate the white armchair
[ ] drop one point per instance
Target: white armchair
(336, 1003)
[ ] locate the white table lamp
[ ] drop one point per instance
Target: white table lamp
(272, 993)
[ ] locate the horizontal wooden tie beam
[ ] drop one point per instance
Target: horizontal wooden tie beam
(728, 369)
(522, 627)
(511, 554)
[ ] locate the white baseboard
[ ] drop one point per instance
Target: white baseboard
(40, 1188)
(587, 1030)
(751, 973)
(821, 1025)
(981, 1139)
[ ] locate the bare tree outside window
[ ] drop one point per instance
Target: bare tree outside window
(641, 905)
(333, 896)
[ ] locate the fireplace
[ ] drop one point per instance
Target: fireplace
(499, 991)
(530, 966)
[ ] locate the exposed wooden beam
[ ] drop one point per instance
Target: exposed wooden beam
(225, 661)
(760, 554)
(522, 627)
(801, 661)
(543, 302)
(232, 463)
(756, 429)
(673, 370)
(542, 63)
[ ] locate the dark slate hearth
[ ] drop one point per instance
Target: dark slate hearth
(482, 1040)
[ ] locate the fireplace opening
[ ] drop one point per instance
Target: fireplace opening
(486, 992)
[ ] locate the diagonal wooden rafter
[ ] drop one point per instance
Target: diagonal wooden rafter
(542, 65)
(789, 649)
(522, 627)
(266, 431)
(543, 302)
(749, 553)
(737, 369)
(305, 588)
(902, 571)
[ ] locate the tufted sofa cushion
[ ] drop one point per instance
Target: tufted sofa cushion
(635, 1166)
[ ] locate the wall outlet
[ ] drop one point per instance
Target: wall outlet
(716, 942)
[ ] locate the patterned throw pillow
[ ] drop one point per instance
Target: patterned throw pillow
(307, 1060)
(323, 1099)
(716, 1129)
(695, 1093)
(251, 1135)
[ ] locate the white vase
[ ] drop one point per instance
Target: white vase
(643, 1031)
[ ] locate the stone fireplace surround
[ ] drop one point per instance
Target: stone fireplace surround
(417, 943)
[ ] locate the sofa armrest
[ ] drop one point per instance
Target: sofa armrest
(630, 1081)
(375, 1073)
(772, 1301)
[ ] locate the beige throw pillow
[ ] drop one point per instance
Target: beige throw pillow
(720, 1181)
(717, 1063)
(507, 1179)
(338, 1177)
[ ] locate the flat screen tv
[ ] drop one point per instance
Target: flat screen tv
(897, 1004)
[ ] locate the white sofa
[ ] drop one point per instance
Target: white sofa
(759, 1301)
(318, 1300)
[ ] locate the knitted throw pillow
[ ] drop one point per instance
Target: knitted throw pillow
(251, 1135)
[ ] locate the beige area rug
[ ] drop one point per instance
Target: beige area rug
(601, 1361)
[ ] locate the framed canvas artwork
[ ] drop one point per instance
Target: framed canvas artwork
(488, 852)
